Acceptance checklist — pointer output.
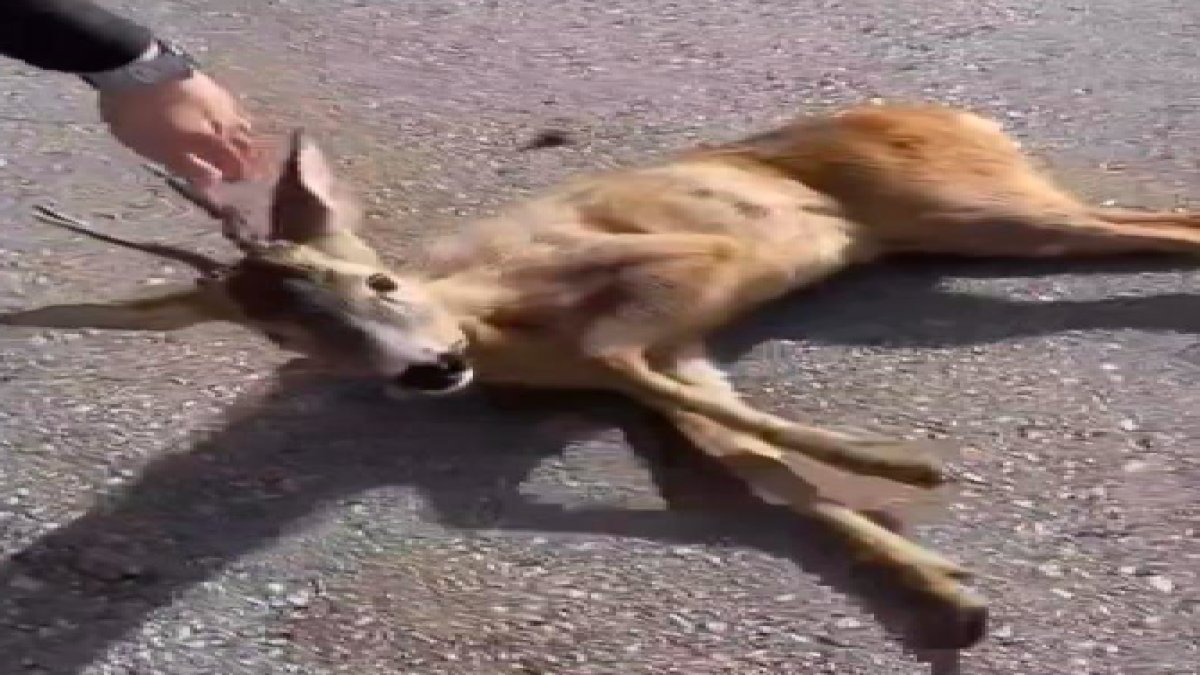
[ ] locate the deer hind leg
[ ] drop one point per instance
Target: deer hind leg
(1086, 234)
(1019, 233)
(1024, 214)
(1186, 219)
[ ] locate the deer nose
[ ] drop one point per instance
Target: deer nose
(448, 372)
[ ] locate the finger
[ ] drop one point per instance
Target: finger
(219, 153)
(234, 128)
(260, 154)
(243, 144)
(201, 174)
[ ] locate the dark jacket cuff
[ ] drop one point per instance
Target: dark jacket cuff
(71, 36)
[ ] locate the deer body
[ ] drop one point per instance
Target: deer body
(677, 250)
(612, 281)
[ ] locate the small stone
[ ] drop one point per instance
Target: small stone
(1161, 584)
(1050, 569)
(715, 626)
(680, 621)
(549, 138)
(300, 599)
(974, 478)
(1128, 425)
(1134, 466)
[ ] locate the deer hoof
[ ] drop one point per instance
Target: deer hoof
(949, 627)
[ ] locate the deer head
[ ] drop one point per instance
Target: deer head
(305, 281)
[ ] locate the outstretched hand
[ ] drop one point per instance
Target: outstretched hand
(193, 127)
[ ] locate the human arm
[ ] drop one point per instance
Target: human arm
(179, 116)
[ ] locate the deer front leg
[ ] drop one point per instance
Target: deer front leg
(872, 496)
(778, 478)
(900, 461)
(689, 285)
(961, 615)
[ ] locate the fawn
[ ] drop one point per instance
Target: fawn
(612, 281)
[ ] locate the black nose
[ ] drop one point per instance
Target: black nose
(440, 375)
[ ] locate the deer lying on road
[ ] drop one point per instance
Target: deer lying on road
(612, 281)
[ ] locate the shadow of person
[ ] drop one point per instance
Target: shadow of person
(80, 588)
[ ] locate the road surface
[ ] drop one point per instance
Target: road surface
(193, 504)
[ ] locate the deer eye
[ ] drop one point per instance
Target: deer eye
(381, 283)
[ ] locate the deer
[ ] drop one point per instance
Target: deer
(613, 281)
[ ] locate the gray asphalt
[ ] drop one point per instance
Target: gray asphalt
(193, 504)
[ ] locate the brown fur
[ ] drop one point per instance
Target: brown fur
(611, 281)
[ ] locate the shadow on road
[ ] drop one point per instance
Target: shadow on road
(95, 580)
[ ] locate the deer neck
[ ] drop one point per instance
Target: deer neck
(471, 295)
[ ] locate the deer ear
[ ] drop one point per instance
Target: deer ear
(172, 311)
(311, 207)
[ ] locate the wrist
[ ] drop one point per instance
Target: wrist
(160, 63)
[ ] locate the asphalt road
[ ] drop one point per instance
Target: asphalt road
(179, 505)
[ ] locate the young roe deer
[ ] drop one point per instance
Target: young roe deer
(611, 281)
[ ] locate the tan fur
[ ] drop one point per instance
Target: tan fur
(611, 281)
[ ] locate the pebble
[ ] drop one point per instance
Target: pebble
(681, 622)
(1051, 569)
(974, 478)
(1161, 584)
(300, 599)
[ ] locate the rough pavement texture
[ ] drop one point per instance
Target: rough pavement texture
(167, 507)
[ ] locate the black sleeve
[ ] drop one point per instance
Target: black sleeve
(71, 36)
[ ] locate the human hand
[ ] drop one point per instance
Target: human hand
(194, 127)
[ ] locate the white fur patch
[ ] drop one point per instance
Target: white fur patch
(702, 370)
